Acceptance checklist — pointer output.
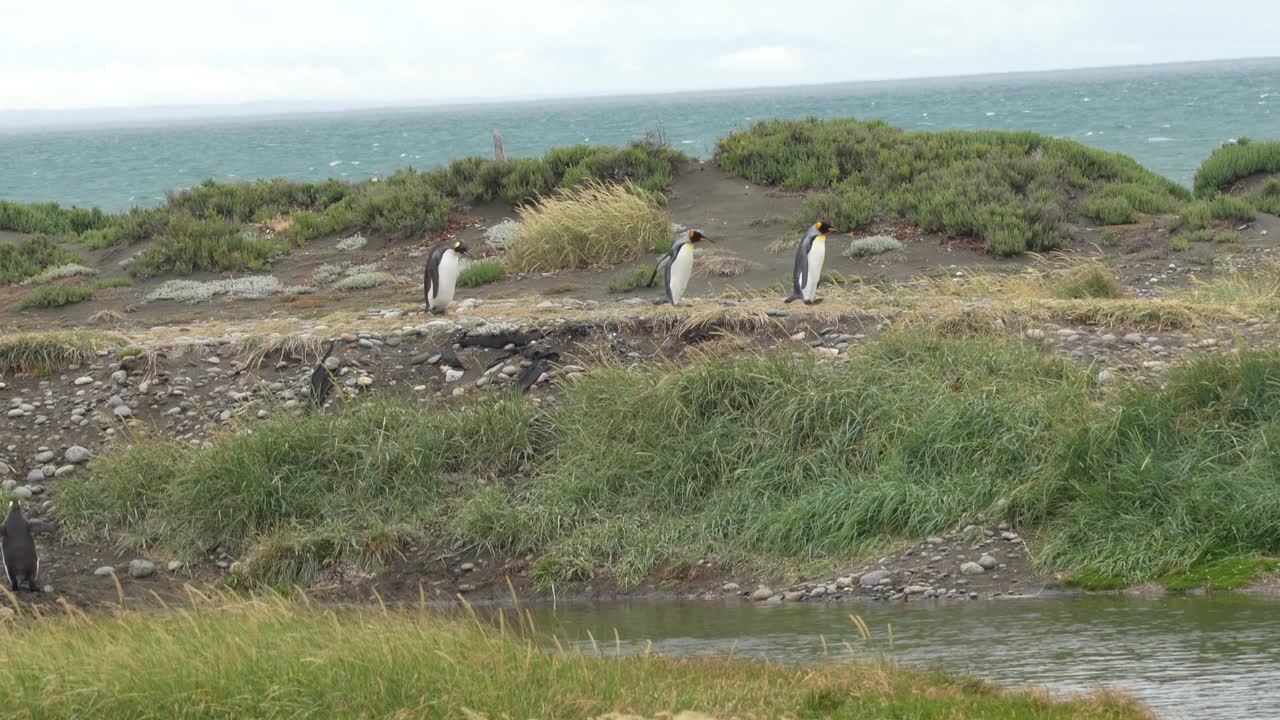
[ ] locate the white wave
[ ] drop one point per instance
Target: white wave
(355, 162)
(404, 154)
(1159, 139)
(335, 163)
(1088, 99)
(686, 142)
(1089, 134)
(990, 114)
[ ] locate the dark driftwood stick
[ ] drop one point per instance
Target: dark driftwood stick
(497, 147)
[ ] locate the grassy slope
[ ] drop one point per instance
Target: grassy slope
(274, 660)
(208, 227)
(1013, 190)
(754, 461)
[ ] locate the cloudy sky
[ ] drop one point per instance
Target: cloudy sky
(131, 53)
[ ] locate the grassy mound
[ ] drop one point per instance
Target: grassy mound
(406, 203)
(750, 460)
(1012, 190)
(481, 272)
(47, 352)
(50, 296)
(272, 659)
(1235, 161)
(30, 257)
(587, 225)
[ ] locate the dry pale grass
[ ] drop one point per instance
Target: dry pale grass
(255, 349)
(106, 316)
(46, 352)
(591, 224)
(722, 264)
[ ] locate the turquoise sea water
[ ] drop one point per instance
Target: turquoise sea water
(1168, 118)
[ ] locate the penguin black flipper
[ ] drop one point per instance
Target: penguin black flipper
(666, 283)
(431, 275)
(666, 259)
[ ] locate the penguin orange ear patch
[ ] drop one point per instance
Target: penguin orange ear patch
(690, 234)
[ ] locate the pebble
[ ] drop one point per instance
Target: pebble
(174, 565)
(1104, 377)
(119, 377)
(761, 594)
(987, 562)
(83, 380)
(104, 571)
(818, 592)
(467, 567)
(1009, 535)
(364, 381)
(141, 568)
(915, 589)
(453, 375)
(874, 577)
(971, 568)
(730, 587)
(21, 493)
(44, 457)
(1133, 339)
(122, 411)
(793, 596)
(844, 582)
(36, 475)
(64, 471)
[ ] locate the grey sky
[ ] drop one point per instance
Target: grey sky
(129, 53)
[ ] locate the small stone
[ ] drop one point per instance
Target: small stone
(1133, 339)
(16, 412)
(1009, 535)
(1104, 377)
(793, 596)
(1035, 334)
(119, 377)
(509, 370)
(367, 344)
(174, 565)
(83, 380)
(104, 571)
(64, 471)
(263, 414)
(934, 540)
(761, 594)
(466, 588)
(915, 589)
(972, 568)
(122, 411)
(21, 493)
(141, 568)
(453, 375)
(820, 591)
(44, 457)
(987, 562)
(844, 582)
(364, 381)
(35, 476)
(730, 587)
(332, 363)
(467, 567)
(874, 577)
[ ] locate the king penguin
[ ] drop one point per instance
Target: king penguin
(678, 262)
(808, 269)
(21, 564)
(441, 276)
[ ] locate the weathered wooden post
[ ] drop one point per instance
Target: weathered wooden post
(497, 146)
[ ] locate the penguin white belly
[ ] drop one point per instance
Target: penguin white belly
(817, 253)
(448, 273)
(681, 268)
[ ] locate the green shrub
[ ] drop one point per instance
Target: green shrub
(308, 225)
(405, 204)
(1267, 198)
(1108, 210)
(1198, 215)
(631, 279)
(109, 283)
(1230, 207)
(30, 257)
(1232, 162)
(189, 245)
(874, 245)
(49, 296)
(1179, 243)
(480, 272)
(1227, 236)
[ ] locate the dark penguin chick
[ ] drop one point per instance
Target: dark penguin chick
(542, 360)
(449, 357)
(21, 563)
(677, 265)
(808, 268)
(440, 277)
(321, 378)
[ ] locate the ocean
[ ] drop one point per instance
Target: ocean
(1167, 117)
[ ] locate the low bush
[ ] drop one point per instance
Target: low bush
(587, 225)
(1235, 161)
(1108, 210)
(30, 257)
(50, 296)
(189, 245)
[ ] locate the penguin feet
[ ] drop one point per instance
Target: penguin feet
(436, 311)
(814, 301)
(791, 298)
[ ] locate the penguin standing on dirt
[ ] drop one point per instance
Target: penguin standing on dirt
(678, 262)
(321, 379)
(808, 269)
(439, 280)
(21, 563)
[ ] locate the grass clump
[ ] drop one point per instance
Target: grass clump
(364, 280)
(1012, 190)
(480, 272)
(51, 296)
(588, 225)
(1108, 210)
(1226, 574)
(30, 257)
(874, 245)
(262, 659)
(189, 245)
(1087, 280)
(1179, 243)
(630, 279)
(1267, 198)
(45, 352)
(1235, 161)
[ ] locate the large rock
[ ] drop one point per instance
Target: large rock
(140, 568)
(874, 577)
(77, 455)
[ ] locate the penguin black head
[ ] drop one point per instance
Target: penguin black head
(823, 228)
(460, 248)
(695, 236)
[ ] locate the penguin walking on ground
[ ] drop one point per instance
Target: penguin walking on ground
(321, 378)
(440, 278)
(21, 563)
(808, 269)
(677, 265)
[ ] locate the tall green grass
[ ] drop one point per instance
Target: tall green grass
(1012, 190)
(751, 460)
(1235, 161)
(46, 352)
(481, 272)
(56, 295)
(31, 256)
(272, 659)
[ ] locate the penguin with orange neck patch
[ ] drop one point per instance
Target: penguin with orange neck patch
(440, 279)
(678, 263)
(21, 563)
(808, 269)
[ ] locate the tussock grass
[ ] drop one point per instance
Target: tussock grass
(754, 460)
(1109, 210)
(1087, 280)
(189, 245)
(255, 349)
(30, 257)
(874, 245)
(272, 658)
(1235, 161)
(480, 272)
(1012, 190)
(590, 224)
(46, 352)
(721, 264)
(632, 278)
(51, 296)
